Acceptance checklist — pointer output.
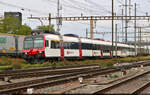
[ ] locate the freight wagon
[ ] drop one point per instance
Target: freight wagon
(11, 45)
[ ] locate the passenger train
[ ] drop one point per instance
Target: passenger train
(41, 46)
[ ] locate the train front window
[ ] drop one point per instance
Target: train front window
(28, 43)
(38, 42)
(33, 42)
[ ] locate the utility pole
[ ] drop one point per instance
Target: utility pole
(91, 28)
(126, 22)
(129, 7)
(112, 28)
(140, 40)
(49, 21)
(86, 33)
(58, 15)
(126, 16)
(135, 32)
(116, 39)
(122, 26)
(147, 44)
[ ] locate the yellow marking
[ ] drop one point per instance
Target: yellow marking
(3, 51)
(55, 41)
(67, 42)
(11, 48)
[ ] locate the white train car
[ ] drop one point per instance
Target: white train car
(51, 46)
(71, 47)
(86, 46)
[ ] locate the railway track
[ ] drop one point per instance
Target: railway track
(64, 77)
(132, 85)
(16, 74)
(52, 80)
(27, 73)
(144, 89)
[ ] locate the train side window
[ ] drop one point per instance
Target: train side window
(67, 45)
(55, 44)
(86, 46)
(94, 47)
(106, 51)
(46, 43)
(74, 45)
(90, 46)
(82, 45)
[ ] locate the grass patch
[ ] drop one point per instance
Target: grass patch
(7, 63)
(5, 68)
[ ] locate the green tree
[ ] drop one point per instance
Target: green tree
(1, 25)
(24, 30)
(12, 25)
(47, 28)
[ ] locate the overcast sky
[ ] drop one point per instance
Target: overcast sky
(73, 8)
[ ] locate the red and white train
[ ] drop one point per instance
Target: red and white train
(54, 47)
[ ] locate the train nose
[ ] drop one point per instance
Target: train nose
(32, 52)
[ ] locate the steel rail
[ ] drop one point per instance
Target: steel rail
(107, 89)
(15, 87)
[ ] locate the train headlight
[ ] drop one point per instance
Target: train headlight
(40, 51)
(26, 53)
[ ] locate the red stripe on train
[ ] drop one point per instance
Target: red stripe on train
(110, 54)
(102, 54)
(80, 50)
(62, 50)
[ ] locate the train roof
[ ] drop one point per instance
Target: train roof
(85, 40)
(40, 32)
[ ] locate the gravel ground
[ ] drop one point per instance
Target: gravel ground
(3, 83)
(129, 87)
(101, 82)
(89, 85)
(59, 89)
(146, 91)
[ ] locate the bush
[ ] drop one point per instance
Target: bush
(16, 65)
(5, 61)
(114, 76)
(24, 62)
(106, 64)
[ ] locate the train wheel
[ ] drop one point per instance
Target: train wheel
(28, 61)
(41, 61)
(35, 61)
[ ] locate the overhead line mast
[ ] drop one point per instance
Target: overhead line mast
(58, 16)
(112, 28)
